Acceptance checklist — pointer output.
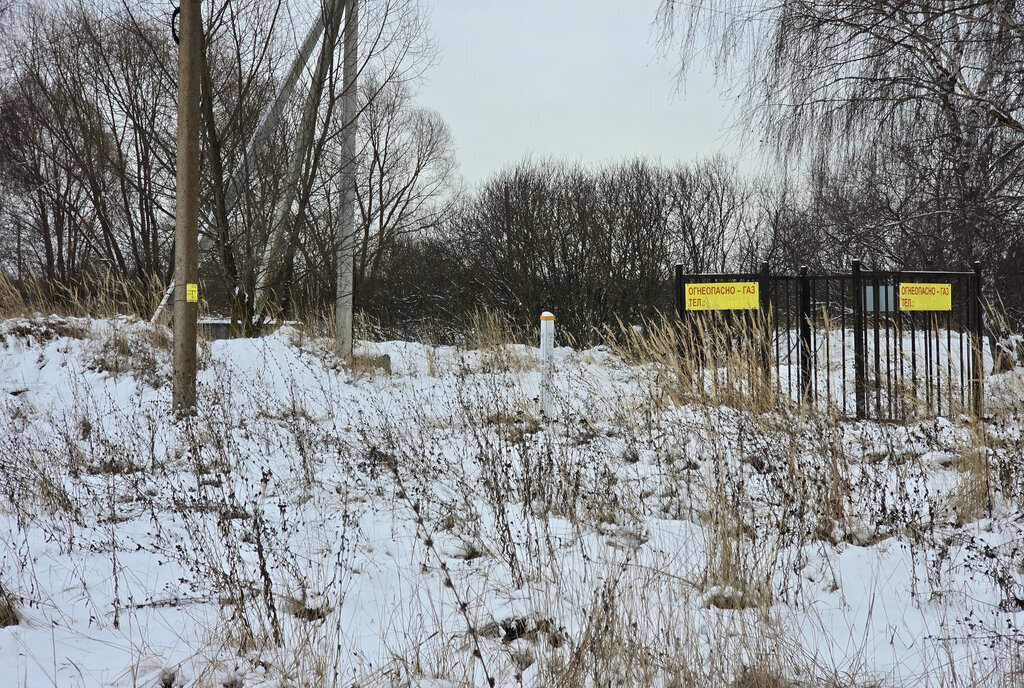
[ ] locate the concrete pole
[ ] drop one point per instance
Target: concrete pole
(346, 239)
(186, 210)
(265, 271)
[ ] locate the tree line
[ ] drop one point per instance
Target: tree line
(88, 103)
(917, 175)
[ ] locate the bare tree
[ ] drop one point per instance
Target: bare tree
(395, 46)
(915, 104)
(709, 210)
(70, 149)
(841, 71)
(405, 180)
(87, 102)
(591, 245)
(405, 168)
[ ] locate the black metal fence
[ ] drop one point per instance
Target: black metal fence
(864, 344)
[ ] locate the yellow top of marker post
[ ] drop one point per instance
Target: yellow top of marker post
(547, 316)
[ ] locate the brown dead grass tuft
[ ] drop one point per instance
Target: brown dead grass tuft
(9, 615)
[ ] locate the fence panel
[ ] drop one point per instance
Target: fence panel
(865, 344)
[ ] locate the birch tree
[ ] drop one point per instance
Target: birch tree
(917, 104)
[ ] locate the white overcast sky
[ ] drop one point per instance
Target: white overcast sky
(573, 79)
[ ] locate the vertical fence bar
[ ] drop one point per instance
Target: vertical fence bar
(890, 340)
(960, 349)
(949, 360)
(858, 341)
(927, 336)
(842, 339)
(815, 336)
(805, 334)
(913, 352)
(680, 310)
(978, 382)
(876, 291)
(826, 327)
(962, 327)
(789, 338)
(901, 372)
(937, 322)
(779, 285)
(766, 324)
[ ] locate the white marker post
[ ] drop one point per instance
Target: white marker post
(547, 350)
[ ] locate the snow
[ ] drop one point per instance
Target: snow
(320, 525)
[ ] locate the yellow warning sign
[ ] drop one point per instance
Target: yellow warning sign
(721, 296)
(192, 293)
(920, 296)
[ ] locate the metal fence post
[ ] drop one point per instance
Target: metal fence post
(680, 307)
(763, 307)
(805, 333)
(978, 345)
(680, 310)
(858, 342)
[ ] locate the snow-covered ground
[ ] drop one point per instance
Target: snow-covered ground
(320, 525)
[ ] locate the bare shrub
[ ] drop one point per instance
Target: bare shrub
(131, 347)
(9, 615)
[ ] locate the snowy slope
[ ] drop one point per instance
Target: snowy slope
(318, 526)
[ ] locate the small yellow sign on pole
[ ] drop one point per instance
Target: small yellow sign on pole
(922, 296)
(192, 293)
(722, 296)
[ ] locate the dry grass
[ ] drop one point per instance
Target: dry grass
(714, 361)
(9, 615)
(973, 497)
(43, 330)
(103, 297)
(492, 335)
(127, 350)
(752, 478)
(759, 677)
(370, 365)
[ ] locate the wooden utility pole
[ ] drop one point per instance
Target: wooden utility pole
(346, 239)
(186, 210)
